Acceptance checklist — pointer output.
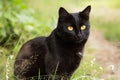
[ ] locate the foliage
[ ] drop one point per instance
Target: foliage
(15, 19)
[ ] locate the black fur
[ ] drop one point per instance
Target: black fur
(56, 54)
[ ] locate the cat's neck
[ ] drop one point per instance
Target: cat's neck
(61, 49)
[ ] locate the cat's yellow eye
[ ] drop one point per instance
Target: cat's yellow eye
(83, 27)
(70, 28)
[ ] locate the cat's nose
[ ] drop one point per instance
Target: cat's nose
(79, 35)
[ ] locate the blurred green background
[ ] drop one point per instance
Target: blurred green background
(21, 20)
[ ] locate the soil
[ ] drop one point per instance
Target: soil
(107, 54)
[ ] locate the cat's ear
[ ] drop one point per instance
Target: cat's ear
(62, 12)
(85, 13)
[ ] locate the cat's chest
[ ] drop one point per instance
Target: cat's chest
(69, 63)
(69, 58)
(66, 57)
(69, 54)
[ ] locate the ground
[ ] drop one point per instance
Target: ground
(107, 54)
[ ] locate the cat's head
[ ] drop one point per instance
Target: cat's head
(73, 27)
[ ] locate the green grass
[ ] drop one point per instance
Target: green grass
(113, 33)
(88, 69)
(110, 28)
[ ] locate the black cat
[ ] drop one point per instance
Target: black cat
(58, 55)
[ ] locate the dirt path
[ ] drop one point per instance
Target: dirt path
(107, 55)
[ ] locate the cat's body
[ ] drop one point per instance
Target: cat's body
(58, 54)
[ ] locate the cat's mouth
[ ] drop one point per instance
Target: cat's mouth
(75, 39)
(78, 39)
